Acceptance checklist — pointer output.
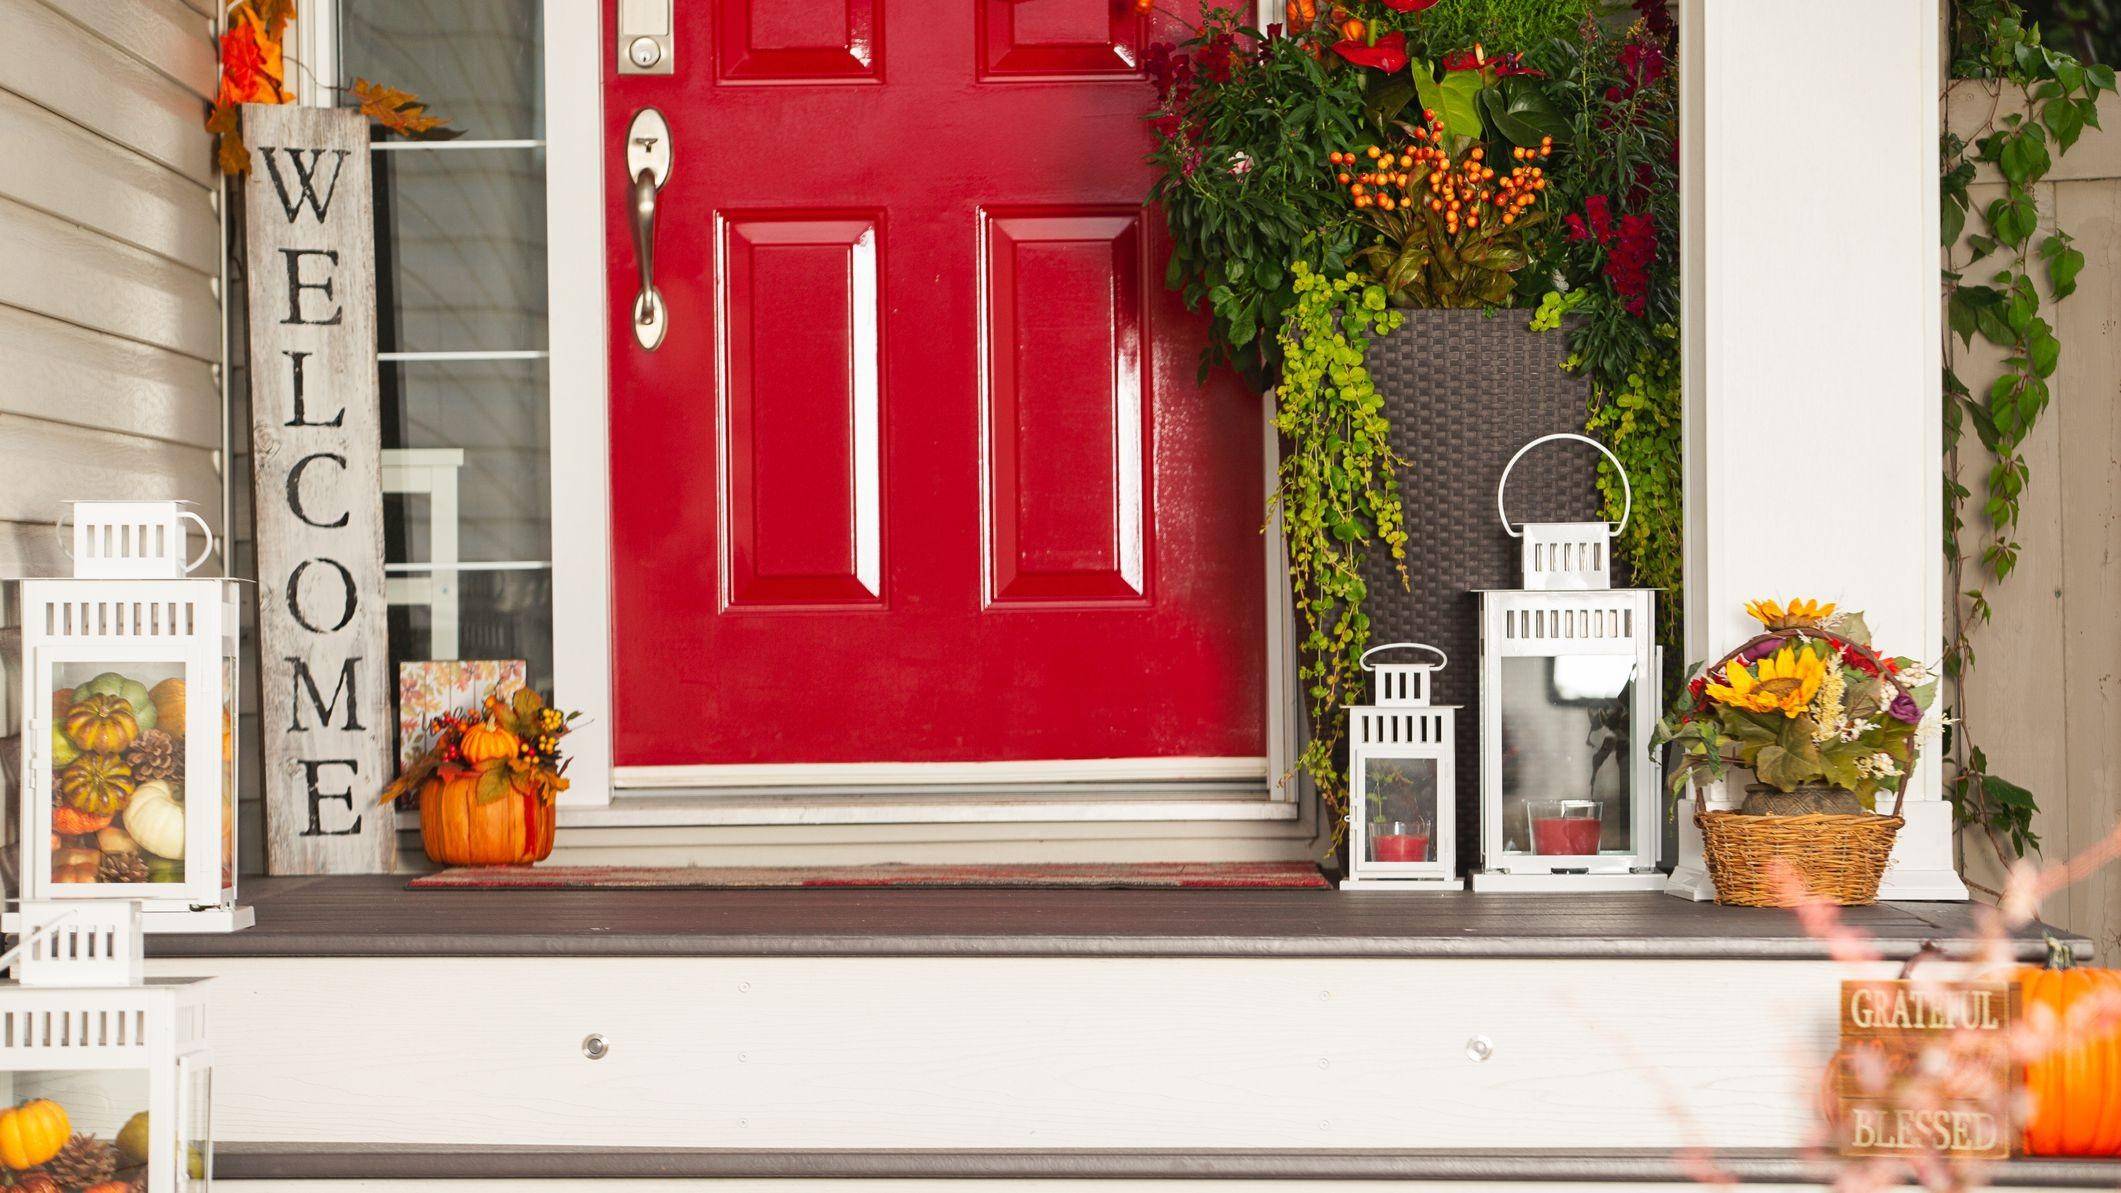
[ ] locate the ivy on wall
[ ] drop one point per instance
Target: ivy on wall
(1338, 495)
(1993, 287)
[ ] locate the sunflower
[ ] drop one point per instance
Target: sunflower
(1783, 682)
(1802, 614)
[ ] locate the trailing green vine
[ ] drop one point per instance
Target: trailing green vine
(1993, 281)
(1338, 494)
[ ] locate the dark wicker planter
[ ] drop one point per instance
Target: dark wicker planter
(1464, 390)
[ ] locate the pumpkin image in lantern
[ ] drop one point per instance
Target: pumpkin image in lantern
(132, 773)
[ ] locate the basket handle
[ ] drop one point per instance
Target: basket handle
(1627, 491)
(1442, 660)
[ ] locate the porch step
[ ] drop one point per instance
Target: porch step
(1007, 1028)
(388, 1162)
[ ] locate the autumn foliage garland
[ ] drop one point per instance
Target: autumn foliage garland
(254, 71)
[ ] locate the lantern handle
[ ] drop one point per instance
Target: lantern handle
(1627, 491)
(206, 535)
(1442, 660)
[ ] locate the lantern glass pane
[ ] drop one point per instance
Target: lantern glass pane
(1400, 795)
(118, 770)
(195, 1134)
(1567, 757)
(97, 1102)
(229, 688)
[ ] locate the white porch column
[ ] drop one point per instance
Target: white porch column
(1813, 441)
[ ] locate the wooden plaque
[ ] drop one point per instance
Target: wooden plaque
(1906, 1029)
(323, 657)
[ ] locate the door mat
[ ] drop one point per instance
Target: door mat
(1154, 876)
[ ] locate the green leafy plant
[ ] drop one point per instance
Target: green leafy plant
(1618, 265)
(1245, 123)
(1993, 284)
(1338, 494)
(1448, 230)
(1498, 26)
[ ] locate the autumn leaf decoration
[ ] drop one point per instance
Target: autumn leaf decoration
(533, 765)
(254, 71)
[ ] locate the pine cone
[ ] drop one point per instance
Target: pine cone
(85, 1160)
(121, 867)
(155, 755)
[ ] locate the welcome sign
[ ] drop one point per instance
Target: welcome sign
(1924, 1068)
(316, 446)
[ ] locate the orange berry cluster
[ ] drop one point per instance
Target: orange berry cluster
(1423, 173)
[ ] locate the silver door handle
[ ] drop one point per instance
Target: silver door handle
(648, 159)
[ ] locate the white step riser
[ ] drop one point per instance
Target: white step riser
(1021, 1053)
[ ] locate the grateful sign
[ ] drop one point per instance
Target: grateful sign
(316, 466)
(1924, 1068)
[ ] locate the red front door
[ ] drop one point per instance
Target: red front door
(921, 471)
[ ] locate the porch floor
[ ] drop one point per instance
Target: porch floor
(378, 916)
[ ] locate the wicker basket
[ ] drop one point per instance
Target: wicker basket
(1840, 858)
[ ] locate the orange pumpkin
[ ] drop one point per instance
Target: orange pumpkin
(104, 723)
(488, 742)
(515, 829)
(2075, 1089)
(32, 1133)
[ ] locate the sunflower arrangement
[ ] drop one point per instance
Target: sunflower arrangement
(1805, 705)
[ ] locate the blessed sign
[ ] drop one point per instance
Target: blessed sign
(1924, 1067)
(316, 466)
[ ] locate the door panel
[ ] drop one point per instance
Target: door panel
(922, 471)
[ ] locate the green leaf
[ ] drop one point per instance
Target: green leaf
(1452, 99)
(2024, 157)
(2064, 119)
(2064, 263)
(493, 784)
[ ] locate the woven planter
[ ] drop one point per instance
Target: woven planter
(1464, 390)
(1840, 858)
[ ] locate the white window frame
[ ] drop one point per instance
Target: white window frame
(1265, 791)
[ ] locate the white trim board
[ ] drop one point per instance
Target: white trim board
(942, 774)
(981, 808)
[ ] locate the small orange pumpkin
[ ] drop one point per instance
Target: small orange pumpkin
(2075, 1089)
(514, 829)
(488, 742)
(103, 723)
(32, 1133)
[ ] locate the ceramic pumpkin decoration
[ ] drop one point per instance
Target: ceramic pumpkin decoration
(2075, 1089)
(155, 819)
(91, 790)
(75, 864)
(488, 742)
(33, 1133)
(458, 829)
(102, 723)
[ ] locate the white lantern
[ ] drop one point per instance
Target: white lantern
(129, 682)
(124, 1061)
(1568, 694)
(1402, 781)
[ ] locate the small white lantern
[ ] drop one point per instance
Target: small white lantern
(1568, 693)
(124, 1060)
(129, 684)
(1402, 781)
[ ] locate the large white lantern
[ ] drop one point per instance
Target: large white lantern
(123, 1061)
(129, 682)
(1402, 780)
(1568, 693)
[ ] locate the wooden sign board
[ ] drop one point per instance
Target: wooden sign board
(316, 438)
(1898, 1035)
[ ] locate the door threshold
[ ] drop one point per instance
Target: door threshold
(913, 807)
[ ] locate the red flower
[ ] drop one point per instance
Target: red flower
(1388, 54)
(1494, 66)
(1409, 5)
(1214, 59)
(1630, 248)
